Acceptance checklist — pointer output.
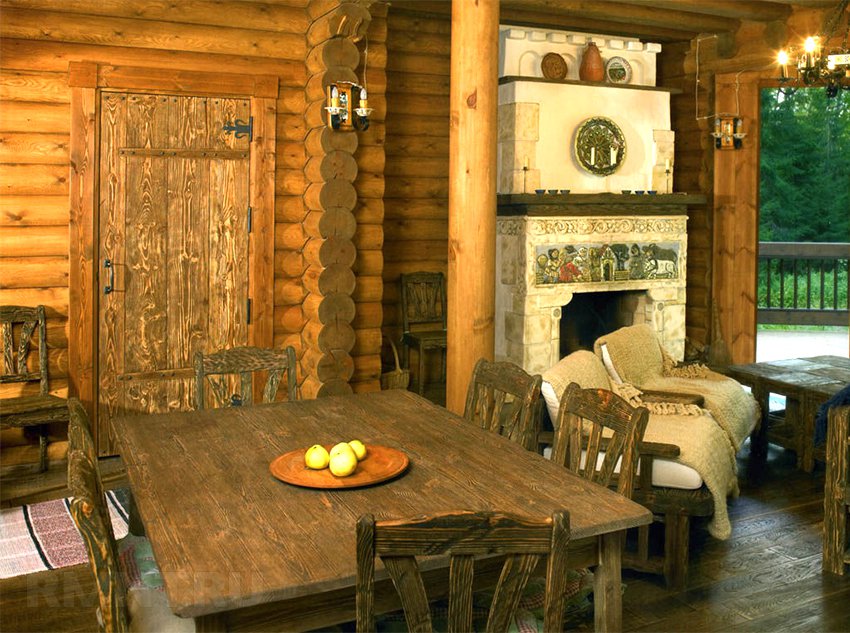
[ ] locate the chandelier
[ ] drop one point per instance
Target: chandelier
(813, 64)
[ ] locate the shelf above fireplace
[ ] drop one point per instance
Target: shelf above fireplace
(595, 204)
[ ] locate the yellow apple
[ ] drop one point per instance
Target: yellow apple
(359, 449)
(343, 463)
(316, 457)
(342, 447)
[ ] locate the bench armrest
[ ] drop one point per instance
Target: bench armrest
(651, 395)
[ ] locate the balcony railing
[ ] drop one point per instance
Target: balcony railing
(803, 283)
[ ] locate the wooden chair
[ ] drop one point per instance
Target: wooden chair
(120, 605)
(606, 427)
(506, 400)
(215, 369)
(19, 324)
(836, 498)
(423, 309)
(462, 536)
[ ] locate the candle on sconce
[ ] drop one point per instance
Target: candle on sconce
(335, 97)
(364, 101)
(717, 126)
(592, 155)
(666, 164)
(613, 155)
(739, 126)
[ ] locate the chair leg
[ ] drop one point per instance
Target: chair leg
(421, 371)
(135, 525)
(676, 536)
(42, 449)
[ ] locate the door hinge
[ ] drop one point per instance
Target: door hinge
(248, 311)
(240, 128)
(250, 219)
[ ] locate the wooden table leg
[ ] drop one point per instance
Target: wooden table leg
(607, 582)
(808, 411)
(758, 438)
(211, 623)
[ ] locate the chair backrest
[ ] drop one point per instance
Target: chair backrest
(423, 300)
(91, 515)
(504, 399)
(463, 535)
(583, 419)
(24, 322)
(219, 368)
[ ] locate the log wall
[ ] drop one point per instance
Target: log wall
(39, 38)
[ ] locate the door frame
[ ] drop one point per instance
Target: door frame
(87, 80)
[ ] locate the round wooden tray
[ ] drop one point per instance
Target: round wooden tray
(553, 66)
(380, 464)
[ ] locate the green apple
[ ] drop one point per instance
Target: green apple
(316, 457)
(359, 449)
(343, 462)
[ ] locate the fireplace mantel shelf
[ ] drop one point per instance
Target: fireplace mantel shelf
(596, 204)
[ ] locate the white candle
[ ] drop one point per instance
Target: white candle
(613, 156)
(666, 164)
(592, 155)
(525, 162)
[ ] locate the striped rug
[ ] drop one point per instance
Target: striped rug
(43, 536)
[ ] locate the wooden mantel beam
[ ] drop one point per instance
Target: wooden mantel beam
(735, 9)
(473, 100)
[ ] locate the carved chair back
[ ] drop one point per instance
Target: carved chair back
(463, 535)
(88, 508)
(423, 300)
(219, 370)
(504, 399)
(18, 324)
(584, 417)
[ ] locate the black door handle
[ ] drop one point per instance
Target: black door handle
(110, 285)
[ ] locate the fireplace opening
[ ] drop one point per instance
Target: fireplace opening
(589, 315)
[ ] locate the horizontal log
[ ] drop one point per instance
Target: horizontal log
(322, 140)
(370, 159)
(34, 210)
(289, 236)
(400, 83)
(369, 185)
(329, 280)
(365, 385)
(290, 155)
(368, 315)
(333, 250)
(369, 262)
(289, 319)
(325, 224)
(290, 182)
(416, 250)
(419, 43)
(423, 167)
(330, 308)
(290, 127)
(290, 101)
(334, 194)
(33, 272)
(149, 34)
(369, 211)
(368, 289)
(34, 148)
(404, 207)
(57, 386)
(332, 165)
(369, 237)
(348, 20)
(404, 144)
(368, 341)
(55, 56)
(317, 84)
(402, 230)
(282, 340)
(34, 241)
(335, 52)
(40, 180)
(328, 366)
(288, 263)
(375, 135)
(288, 292)
(25, 116)
(401, 20)
(254, 15)
(289, 209)
(328, 338)
(34, 86)
(393, 270)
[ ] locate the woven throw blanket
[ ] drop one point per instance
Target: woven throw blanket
(43, 536)
(633, 396)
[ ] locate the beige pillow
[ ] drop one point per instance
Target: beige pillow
(635, 353)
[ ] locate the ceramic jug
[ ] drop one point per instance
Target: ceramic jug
(592, 68)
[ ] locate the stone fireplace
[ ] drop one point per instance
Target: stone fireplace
(549, 249)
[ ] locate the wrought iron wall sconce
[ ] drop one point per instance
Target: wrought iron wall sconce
(342, 97)
(728, 132)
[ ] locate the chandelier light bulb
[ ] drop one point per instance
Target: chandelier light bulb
(782, 57)
(810, 44)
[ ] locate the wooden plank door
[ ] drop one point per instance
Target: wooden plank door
(173, 256)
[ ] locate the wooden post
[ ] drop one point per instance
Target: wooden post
(472, 192)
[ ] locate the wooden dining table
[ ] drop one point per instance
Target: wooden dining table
(242, 550)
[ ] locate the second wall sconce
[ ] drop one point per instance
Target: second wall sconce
(728, 132)
(348, 106)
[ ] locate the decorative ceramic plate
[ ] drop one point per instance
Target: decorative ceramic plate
(618, 71)
(553, 66)
(380, 464)
(600, 146)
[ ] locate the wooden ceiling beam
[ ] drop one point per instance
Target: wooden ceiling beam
(645, 14)
(756, 11)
